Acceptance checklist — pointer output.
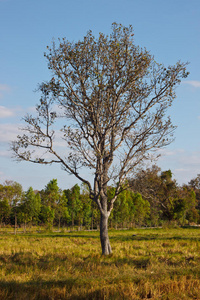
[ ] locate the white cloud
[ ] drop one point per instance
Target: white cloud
(8, 132)
(180, 170)
(165, 152)
(31, 109)
(191, 159)
(6, 112)
(4, 88)
(182, 159)
(193, 83)
(184, 165)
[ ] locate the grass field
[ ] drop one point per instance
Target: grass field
(145, 264)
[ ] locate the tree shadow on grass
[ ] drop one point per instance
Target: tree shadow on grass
(36, 290)
(121, 237)
(46, 290)
(152, 237)
(137, 263)
(62, 235)
(27, 259)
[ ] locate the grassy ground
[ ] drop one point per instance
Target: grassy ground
(146, 264)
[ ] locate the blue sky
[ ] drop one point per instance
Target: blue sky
(170, 30)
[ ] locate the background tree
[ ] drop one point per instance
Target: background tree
(141, 210)
(25, 208)
(36, 207)
(113, 98)
(13, 193)
(95, 215)
(47, 215)
(169, 190)
(4, 204)
(50, 195)
(195, 185)
(168, 201)
(75, 205)
(120, 213)
(86, 205)
(149, 184)
(29, 208)
(130, 209)
(186, 206)
(61, 210)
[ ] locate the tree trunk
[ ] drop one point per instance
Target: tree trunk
(105, 243)
(15, 222)
(24, 226)
(59, 224)
(72, 220)
(92, 221)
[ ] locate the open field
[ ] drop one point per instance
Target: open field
(146, 264)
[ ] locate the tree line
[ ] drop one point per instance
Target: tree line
(152, 199)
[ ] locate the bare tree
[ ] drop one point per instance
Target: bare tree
(113, 97)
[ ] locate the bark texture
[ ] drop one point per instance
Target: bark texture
(105, 243)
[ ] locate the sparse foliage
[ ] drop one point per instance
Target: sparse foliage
(113, 99)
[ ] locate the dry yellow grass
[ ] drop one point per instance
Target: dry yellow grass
(146, 264)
